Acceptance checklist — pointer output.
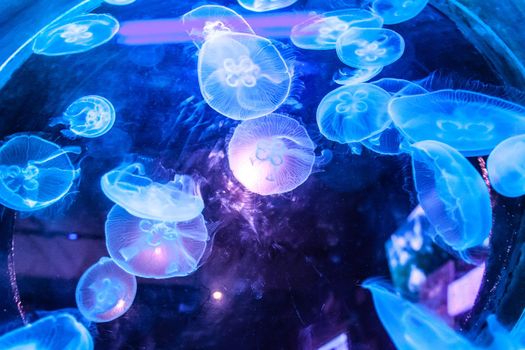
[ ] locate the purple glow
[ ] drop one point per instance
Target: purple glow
(462, 292)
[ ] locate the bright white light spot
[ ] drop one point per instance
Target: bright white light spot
(217, 295)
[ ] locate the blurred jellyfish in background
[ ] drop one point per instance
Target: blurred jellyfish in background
(89, 116)
(60, 331)
(119, 2)
(349, 76)
(34, 173)
(271, 155)
(74, 35)
(155, 249)
(265, 5)
(322, 31)
(105, 291)
(506, 167)
(397, 11)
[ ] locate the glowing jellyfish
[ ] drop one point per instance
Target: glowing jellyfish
(77, 34)
(119, 2)
(321, 32)
(34, 173)
(177, 200)
(353, 113)
(452, 193)
(265, 5)
(397, 11)
(369, 47)
(271, 155)
(105, 291)
(471, 122)
(89, 116)
(506, 167)
(155, 249)
(242, 76)
(347, 76)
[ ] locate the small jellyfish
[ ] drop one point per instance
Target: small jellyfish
(322, 31)
(271, 155)
(452, 193)
(397, 11)
(89, 116)
(155, 249)
(74, 35)
(105, 291)
(34, 173)
(355, 76)
(242, 76)
(119, 2)
(265, 5)
(369, 47)
(177, 200)
(400, 87)
(353, 113)
(506, 167)
(471, 122)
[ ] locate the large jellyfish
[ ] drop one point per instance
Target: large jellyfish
(265, 5)
(155, 249)
(471, 122)
(74, 35)
(322, 31)
(34, 173)
(105, 291)
(353, 113)
(506, 167)
(176, 200)
(452, 193)
(271, 155)
(397, 11)
(242, 76)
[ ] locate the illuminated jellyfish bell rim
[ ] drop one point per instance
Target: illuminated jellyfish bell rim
(397, 11)
(265, 5)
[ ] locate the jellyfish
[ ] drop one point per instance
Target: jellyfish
(397, 11)
(265, 5)
(176, 200)
(352, 113)
(355, 76)
(119, 2)
(75, 35)
(89, 116)
(271, 155)
(471, 122)
(34, 173)
(322, 31)
(452, 193)
(105, 291)
(369, 47)
(155, 249)
(506, 167)
(243, 76)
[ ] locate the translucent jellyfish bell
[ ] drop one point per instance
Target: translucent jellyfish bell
(271, 155)
(177, 200)
(397, 11)
(452, 193)
(105, 291)
(265, 5)
(242, 76)
(155, 249)
(506, 167)
(119, 2)
(34, 173)
(353, 113)
(76, 34)
(347, 76)
(322, 31)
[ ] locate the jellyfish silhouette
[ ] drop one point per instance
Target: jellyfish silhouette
(155, 249)
(397, 11)
(271, 155)
(471, 122)
(265, 5)
(353, 113)
(75, 35)
(452, 194)
(322, 31)
(506, 167)
(34, 173)
(105, 291)
(176, 200)
(242, 76)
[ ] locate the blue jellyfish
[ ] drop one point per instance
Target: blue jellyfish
(322, 31)
(369, 47)
(355, 76)
(271, 155)
(89, 116)
(506, 167)
(265, 5)
(352, 113)
(34, 173)
(74, 35)
(119, 2)
(155, 249)
(176, 200)
(452, 193)
(397, 11)
(400, 87)
(105, 291)
(242, 76)
(471, 122)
